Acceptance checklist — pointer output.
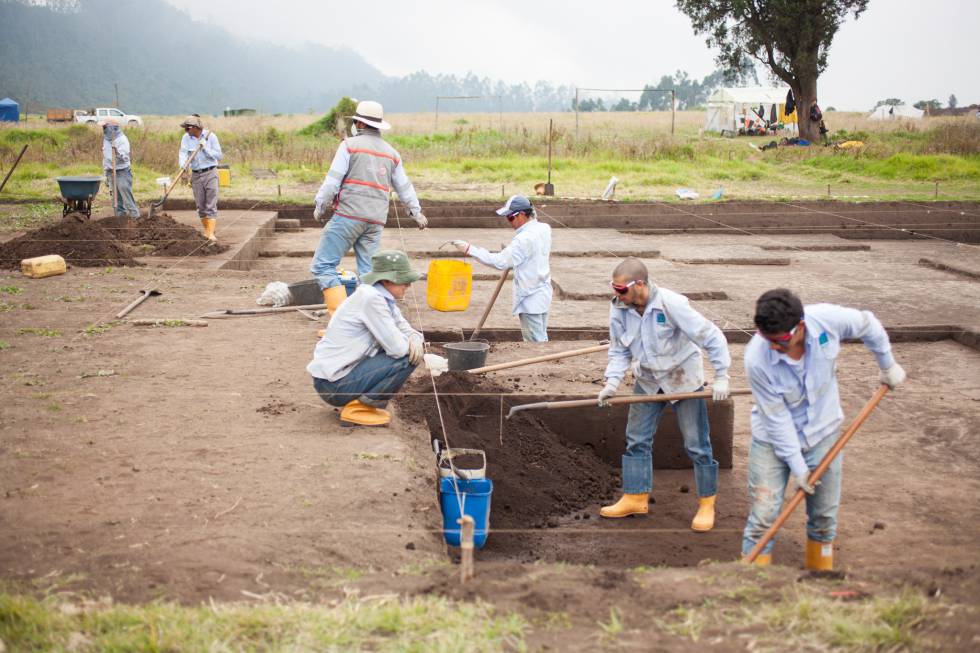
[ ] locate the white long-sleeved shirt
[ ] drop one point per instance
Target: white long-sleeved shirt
(209, 155)
(797, 403)
(367, 322)
(121, 145)
(528, 253)
(664, 344)
(338, 171)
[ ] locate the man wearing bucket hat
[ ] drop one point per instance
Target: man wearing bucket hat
(204, 170)
(364, 170)
(528, 254)
(791, 365)
(116, 164)
(656, 331)
(369, 350)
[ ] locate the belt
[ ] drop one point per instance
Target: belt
(206, 169)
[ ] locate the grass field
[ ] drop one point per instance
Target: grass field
(488, 155)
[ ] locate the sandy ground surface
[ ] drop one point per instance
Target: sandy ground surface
(197, 463)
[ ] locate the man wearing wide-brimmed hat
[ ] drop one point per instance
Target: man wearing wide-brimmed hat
(363, 173)
(204, 170)
(369, 350)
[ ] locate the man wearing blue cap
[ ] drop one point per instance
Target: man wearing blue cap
(528, 254)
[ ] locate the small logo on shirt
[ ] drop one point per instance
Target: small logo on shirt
(824, 339)
(661, 318)
(382, 171)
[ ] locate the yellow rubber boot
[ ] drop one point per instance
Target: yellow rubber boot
(628, 504)
(334, 297)
(819, 555)
(357, 414)
(705, 519)
(761, 560)
(209, 226)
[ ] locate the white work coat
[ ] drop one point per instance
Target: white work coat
(664, 344)
(528, 254)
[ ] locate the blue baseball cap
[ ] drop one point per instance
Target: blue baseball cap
(516, 204)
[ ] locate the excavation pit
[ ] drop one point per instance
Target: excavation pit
(553, 469)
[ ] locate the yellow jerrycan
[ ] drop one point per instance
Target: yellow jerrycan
(449, 285)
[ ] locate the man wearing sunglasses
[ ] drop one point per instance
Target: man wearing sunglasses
(204, 170)
(528, 254)
(791, 367)
(656, 331)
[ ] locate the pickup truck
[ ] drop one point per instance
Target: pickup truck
(95, 115)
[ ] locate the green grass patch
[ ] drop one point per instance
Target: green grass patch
(11, 290)
(39, 331)
(919, 167)
(426, 624)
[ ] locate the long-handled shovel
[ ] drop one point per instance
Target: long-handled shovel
(817, 473)
(603, 346)
(493, 298)
(173, 184)
(144, 294)
(115, 187)
(629, 399)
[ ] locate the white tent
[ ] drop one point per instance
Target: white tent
(901, 112)
(729, 107)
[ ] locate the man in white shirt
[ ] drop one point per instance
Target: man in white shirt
(369, 350)
(116, 164)
(364, 170)
(791, 364)
(204, 170)
(528, 254)
(656, 331)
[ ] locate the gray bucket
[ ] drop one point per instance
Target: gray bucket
(466, 355)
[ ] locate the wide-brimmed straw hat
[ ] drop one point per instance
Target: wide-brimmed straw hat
(390, 265)
(371, 113)
(192, 121)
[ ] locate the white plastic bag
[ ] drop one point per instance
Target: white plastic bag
(686, 194)
(275, 294)
(436, 364)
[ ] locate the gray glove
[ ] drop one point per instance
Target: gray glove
(421, 220)
(800, 483)
(719, 389)
(319, 212)
(607, 392)
(893, 376)
(462, 246)
(415, 350)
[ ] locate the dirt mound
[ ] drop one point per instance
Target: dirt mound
(161, 235)
(109, 241)
(537, 477)
(81, 243)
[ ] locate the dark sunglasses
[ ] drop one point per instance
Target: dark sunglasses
(513, 216)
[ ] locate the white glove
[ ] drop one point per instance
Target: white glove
(719, 389)
(607, 392)
(421, 220)
(462, 246)
(319, 212)
(799, 483)
(893, 376)
(415, 350)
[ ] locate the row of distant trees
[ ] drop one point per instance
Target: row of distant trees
(930, 105)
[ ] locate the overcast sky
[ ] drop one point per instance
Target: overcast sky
(910, 49)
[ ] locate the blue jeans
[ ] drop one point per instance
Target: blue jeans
(125, 203)
(336, 240)
(768, 477)
(692, 418)
(372, 381)
(534, 326)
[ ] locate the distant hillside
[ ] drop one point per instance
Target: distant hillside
(163, 62)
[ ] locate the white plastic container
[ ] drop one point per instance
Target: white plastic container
(163, 181)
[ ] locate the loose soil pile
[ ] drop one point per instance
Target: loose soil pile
(115, 241)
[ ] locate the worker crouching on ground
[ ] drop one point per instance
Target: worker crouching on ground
(791, 367)
(362, 174)
(528, 254)
(118, 170)
(204, 170)
(369, 350)
(658, 332)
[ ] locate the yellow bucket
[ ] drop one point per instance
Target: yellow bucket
(224, 176)
(449, 285)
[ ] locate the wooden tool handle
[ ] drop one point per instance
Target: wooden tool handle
(817, 473)
(539, 359)
(493, 298)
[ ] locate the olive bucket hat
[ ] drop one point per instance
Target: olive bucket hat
(390, 265)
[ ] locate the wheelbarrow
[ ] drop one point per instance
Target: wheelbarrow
(77, 194)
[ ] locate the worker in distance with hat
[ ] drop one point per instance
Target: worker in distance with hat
(364, 170)
(528, 254)
(204, 170)
(117, 166)
(369, 349)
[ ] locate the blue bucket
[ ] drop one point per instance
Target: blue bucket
(475, 497)
(349, 280)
